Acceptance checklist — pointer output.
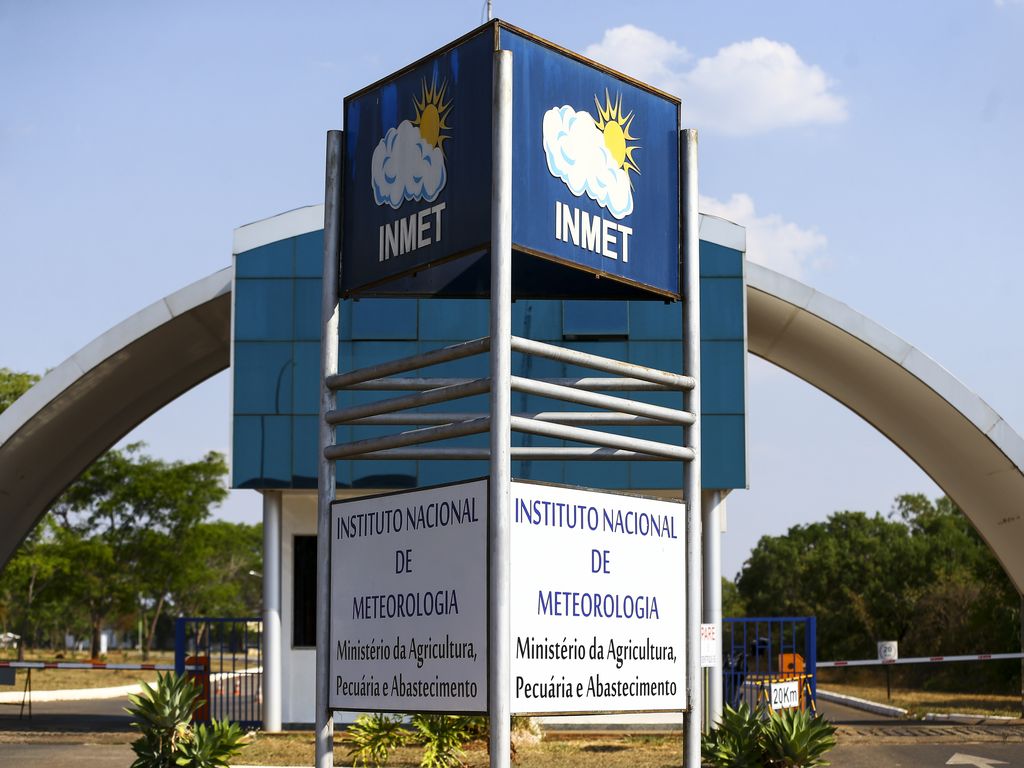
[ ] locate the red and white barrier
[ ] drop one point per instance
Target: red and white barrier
(90, 665)
(919, 660)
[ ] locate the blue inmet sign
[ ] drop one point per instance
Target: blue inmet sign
(416, 187)
(596, 161)
(595, 190)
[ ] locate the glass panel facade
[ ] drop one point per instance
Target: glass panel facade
(277, 360)
(595, 319)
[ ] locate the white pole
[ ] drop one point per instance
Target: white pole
(713, 506)
(324, 734)
(271, 611)
(691, 470)
(499, 695)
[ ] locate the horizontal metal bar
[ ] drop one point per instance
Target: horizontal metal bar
(590, 418)
(540, 453)
(605, 439)
(919, 660)
(412, 437)
(597, 400)
(589, 383)
(598, 363)
(410, 363)
(429, 397)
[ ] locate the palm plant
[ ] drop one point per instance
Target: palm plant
(371, 738)
(164, 714)
(746, 738)
(443, 737)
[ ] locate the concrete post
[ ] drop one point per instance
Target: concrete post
(272, 694)
(692, 719)
(713, 507)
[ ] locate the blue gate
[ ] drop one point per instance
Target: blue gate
(766, 661)
(225, 656)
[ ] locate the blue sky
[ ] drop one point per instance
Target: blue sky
(872, 149)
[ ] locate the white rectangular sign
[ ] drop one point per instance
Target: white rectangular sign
(888, 650)
(785, 694)
(710, 646)
(598, 612)
(409, 601)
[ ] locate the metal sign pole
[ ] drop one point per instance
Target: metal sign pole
(498, 695)
(691, 470)
(713, 507)
(324, 735)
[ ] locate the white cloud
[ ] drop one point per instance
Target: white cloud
(577, 155)
(747, 87)
(406, 167)
(771, 241)
(640, 53)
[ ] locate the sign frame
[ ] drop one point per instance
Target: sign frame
(487, 651)
(682, 638)
(463, 273)
(786, 689)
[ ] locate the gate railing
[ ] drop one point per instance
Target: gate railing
(759, 654)
(225, 656)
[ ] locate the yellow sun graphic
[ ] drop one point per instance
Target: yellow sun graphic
(432, 112)
(615, 127)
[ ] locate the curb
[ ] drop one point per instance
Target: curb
(81, 694)
(868, 706)
(966, 718)
(88, 694)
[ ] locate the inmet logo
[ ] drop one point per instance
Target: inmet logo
(593, 158)
(409, 164)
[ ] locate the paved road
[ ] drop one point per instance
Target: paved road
(843, 715)
(78, 755)
(863, 755)
(98, 716)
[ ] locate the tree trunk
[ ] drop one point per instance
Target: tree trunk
(94, 650)
(25, 622)
(152, 628)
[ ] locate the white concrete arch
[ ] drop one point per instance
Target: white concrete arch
(98, 395)
(948, 430)
(103, 391)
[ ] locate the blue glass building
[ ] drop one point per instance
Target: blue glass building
(276, 359)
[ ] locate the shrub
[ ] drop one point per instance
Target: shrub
(746, 738)
(793, 738)
(443, 737)
(168, 739)
(736, 741)
(372, 737)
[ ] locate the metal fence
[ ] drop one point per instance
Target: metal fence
(769, 661)
(225, 656)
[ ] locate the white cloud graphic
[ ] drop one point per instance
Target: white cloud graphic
(406, 167)
(577, 155)
(745, 88)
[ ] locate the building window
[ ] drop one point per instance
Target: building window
(304, 592)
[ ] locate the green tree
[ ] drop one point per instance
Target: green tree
(732, 602)
(13, 385)
(858, 574)
(128, 519)
(922, 576)
(231, 551)
(31, 598)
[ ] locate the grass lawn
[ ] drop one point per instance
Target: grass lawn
(607, 751)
